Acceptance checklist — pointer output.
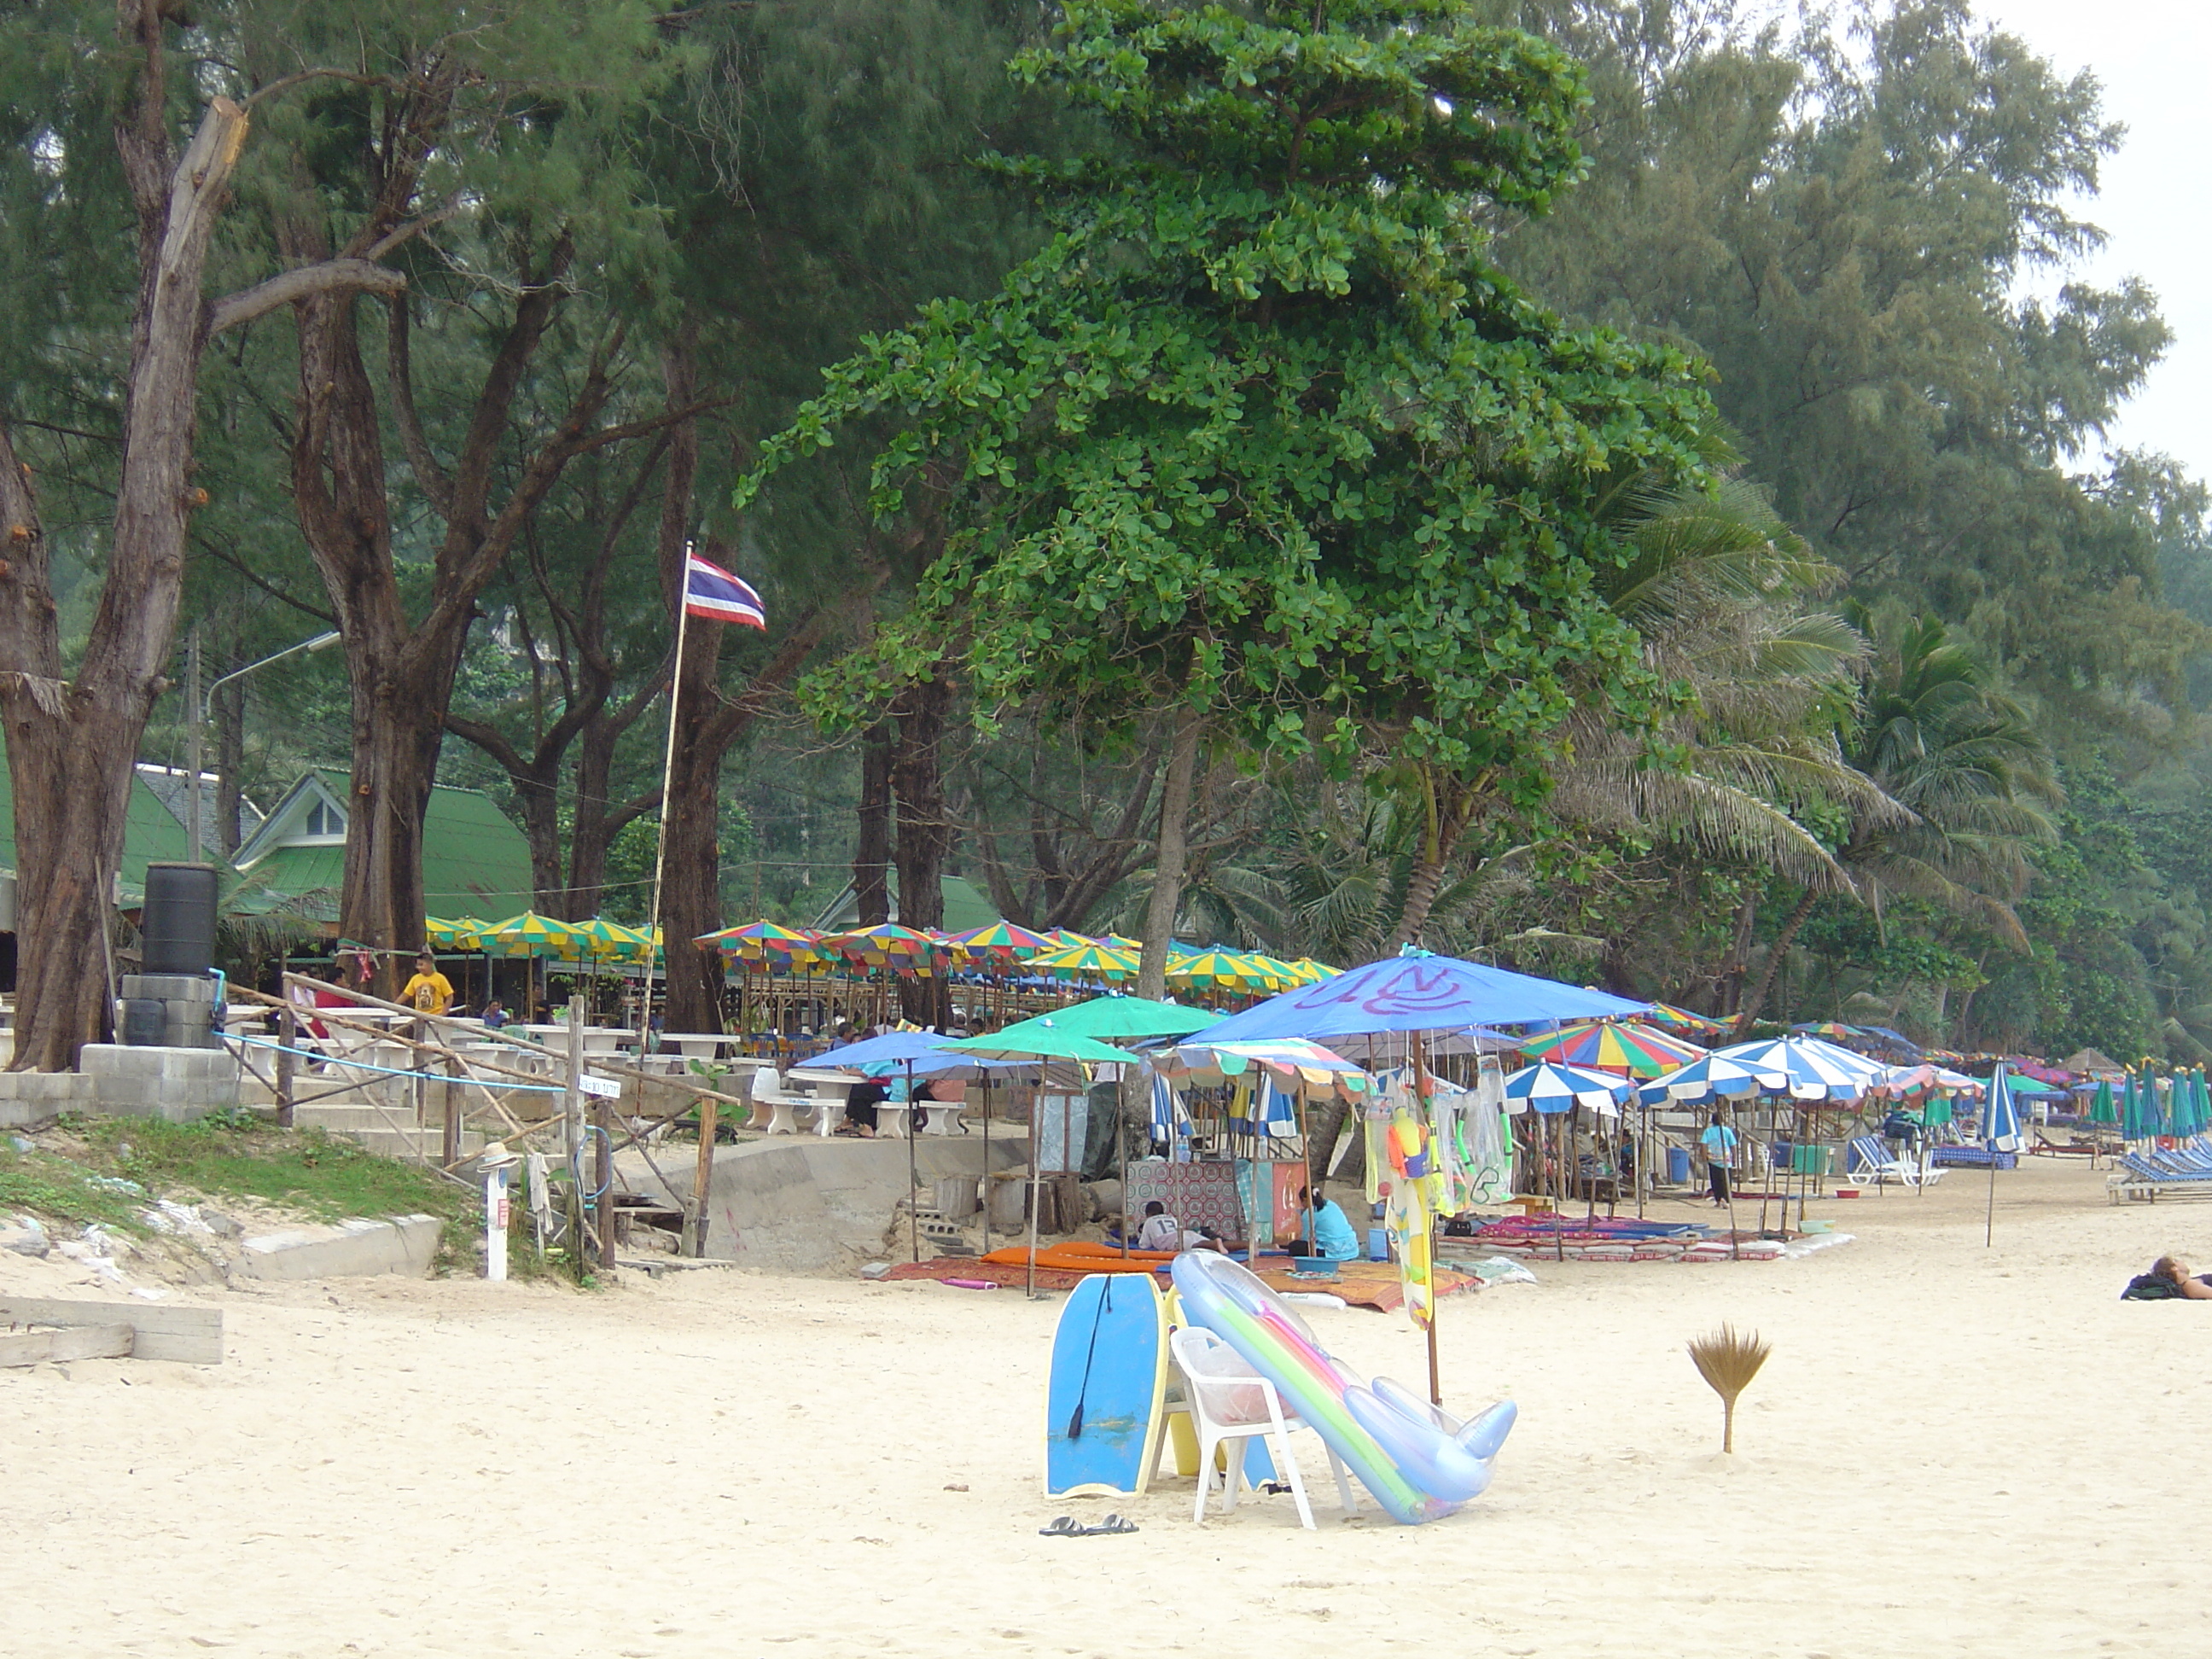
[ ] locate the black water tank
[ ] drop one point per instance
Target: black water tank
(179, 920)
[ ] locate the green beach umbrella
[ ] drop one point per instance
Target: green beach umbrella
(2103, 1108)
(1110, 1019)
(1038, 1045)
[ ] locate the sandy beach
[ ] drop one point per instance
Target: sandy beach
(1954, 1449)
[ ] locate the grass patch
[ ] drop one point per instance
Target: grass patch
(325, 1177)
(56, 1188)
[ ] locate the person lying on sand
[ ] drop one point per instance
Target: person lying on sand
(2169, 1276)
(1162, 1231)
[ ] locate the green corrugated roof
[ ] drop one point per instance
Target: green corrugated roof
(151, 834)
(475, 861)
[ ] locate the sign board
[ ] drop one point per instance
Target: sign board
(599, 1085)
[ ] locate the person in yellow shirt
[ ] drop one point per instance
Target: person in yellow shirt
(429, 992)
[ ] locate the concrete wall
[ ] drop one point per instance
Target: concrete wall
(799, 1203)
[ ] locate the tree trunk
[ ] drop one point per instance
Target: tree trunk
(924, 840)
(228, 708)
(871, 849)
(1449, 806)
(1170, 860)
(1755, 999)
(71, 747)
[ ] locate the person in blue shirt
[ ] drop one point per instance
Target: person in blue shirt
(1331, 1234)
(1719, 1142)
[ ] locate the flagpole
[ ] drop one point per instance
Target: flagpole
(668, 768)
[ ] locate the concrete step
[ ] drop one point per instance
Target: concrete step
(414, 1144)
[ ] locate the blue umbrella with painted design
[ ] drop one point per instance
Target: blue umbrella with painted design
(2000, 1134)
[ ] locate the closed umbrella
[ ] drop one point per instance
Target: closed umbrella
(2000, 1134)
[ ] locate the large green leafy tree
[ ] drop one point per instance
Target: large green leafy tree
(1260, 441)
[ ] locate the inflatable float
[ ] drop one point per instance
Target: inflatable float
(1421, 1463)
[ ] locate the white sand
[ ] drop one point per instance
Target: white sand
(1953, 1451)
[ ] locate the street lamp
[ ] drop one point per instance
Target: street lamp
(196, 714)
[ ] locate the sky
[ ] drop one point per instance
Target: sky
(2154, 58)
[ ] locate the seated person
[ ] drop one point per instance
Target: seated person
(1162, 1231)
(860, 1110)
(494, 1015)
(1325, 1231)
(2168, 1278)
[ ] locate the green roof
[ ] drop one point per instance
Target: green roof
(966, 908)
(475, 861)
(151, 834)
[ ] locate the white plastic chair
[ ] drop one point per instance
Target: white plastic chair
(1230, 1404)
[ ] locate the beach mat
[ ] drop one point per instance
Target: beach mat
(1361, 1284)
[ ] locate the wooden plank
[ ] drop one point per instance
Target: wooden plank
(191, 1336)
(70, 1342)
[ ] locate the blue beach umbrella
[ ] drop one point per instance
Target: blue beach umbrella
(1416, 992)
(2000, 1134)
(1713, 1078)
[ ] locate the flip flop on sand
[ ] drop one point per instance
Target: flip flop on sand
(1112, 1523)
(1064, 1527)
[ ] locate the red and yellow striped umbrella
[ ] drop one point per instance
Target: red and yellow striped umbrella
(765, 941)
(1609, 1046)
(1002, 941)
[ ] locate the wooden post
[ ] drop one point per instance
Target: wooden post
(287, 1039)
(450, 1141)
(702, 1179)
(605, 1116)
(572, 1135)
(1036, 1191)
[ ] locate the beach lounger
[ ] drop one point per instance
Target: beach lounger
(2147, 1175)
(2046, 1147)
(1871, 1160)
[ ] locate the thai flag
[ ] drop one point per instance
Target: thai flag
(712, 593)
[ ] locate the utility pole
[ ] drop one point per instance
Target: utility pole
(194, 715)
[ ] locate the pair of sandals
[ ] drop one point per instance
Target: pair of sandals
(1066, 1527)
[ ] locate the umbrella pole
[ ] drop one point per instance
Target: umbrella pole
(1990, 1218)
(913, 1179)
(1421, 1106)
(1036, 1104)
(1552, 1180)
(984, 1185)
(1121, 1149)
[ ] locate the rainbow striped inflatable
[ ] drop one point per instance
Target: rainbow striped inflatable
(1421, 1463)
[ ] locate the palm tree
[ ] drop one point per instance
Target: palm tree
(1718, 590)
(1971, 771)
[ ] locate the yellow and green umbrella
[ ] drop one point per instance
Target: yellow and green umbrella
(1088, 961)
(459, 934)
(528, 935)
(1219, 970)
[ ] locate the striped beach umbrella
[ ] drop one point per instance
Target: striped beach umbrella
(886, 945)
(529, 935)
(459, 933)
(1549, 1088)
(1668, 1017)
(765, 941)
(1716, 1077)
(1614, 1046)
(1098, 962)
(1002, 941)
(1216, 970)
(1813, 1069)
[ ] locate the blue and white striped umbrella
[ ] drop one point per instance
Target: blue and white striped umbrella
(1813, 1069)
(2000, 1117)
(1550, 1088)
(1170, 1123)
(1710, 1079)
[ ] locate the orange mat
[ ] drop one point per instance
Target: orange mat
(1361, 1284)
